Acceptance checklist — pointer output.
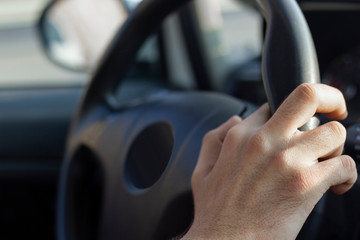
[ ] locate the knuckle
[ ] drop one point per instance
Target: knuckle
(337, 129)
(235, 120)
(280, 160)
(348, 163)
(209, 136)
(300, 181)
(307, 92)
(337, 91)
(233, 134)
(259, 142)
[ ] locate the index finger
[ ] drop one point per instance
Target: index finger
(304, 102)
(211, 146)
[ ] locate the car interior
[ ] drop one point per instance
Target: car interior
(109, 153)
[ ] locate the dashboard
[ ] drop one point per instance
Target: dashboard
(337, 40)
(344, 74)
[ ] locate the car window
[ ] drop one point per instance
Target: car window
(22, 61)
(232, 34)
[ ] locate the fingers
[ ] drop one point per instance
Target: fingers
(252, 123)
(213, 140)
(259, 117)
(223, 129)
(303, 103)
(340, 173)
(212, 144)
(237, 137)
(323, 142)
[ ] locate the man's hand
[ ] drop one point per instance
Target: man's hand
(260, 178)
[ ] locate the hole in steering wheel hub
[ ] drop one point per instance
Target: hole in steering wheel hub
(149, 155)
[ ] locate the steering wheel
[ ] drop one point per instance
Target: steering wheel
(127, 169)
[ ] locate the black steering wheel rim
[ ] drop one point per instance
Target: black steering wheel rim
(289, 59)
(289, 56)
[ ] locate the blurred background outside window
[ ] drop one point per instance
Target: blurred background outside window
(22, 61)
(231, 32)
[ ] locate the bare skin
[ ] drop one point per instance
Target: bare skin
(260, 178)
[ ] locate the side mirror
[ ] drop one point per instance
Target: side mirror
(75, 33)
(131, 4)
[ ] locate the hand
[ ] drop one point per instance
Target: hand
(260, 178)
